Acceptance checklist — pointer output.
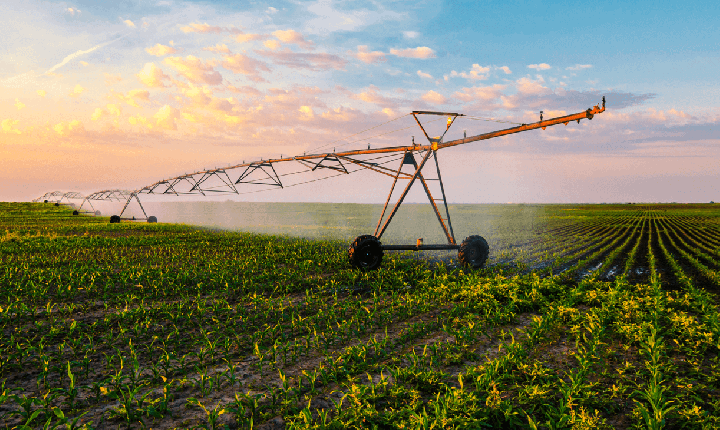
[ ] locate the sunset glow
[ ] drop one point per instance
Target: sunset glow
(95, 97)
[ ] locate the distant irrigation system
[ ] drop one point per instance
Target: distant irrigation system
(366, 251)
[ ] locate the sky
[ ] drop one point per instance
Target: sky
(99, 95)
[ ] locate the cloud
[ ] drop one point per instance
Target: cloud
(201, 28)
(371, 96)
(41, 93)
(99, 113)
(133, 97)
(419, 52)
(165, 117)
(424, 75)
(152, 76)
(8, 126)
(129, 23)
(77, 91)
(221, 49)
(333, 16)
(160, 50)
(272, 44)
(528, 86)
(73, 11)
(245, 90)
(68, 128)
(84, 63)
(366, 56)
(242, 38)
(488, 93)
(242, 64)
(195, 70)
(541, 66)
(477, 72)
(292, 36)
(111, 80)
(306, 113)
(139, 120)
(341, 114)
(433, 97)
(18, 104)
(271, 10)
(76, 54)
(410, 34)
(311, 61)
(505, 69)
(389, 112)
(579, 67)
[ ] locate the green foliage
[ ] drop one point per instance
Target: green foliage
(608, 320)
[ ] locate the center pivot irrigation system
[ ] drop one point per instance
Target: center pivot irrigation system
(366, 251)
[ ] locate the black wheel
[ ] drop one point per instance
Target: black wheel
(75, 212)
(44, 201)
(474, 252)
(57, 204)
(114, 219)
(97, 213)
(366, 253)
(152, 218)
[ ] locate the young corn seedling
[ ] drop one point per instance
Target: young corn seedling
(212, 415)
(230, 372)
(130, 409)
(654, 394)
(25, 412)
(246, 404)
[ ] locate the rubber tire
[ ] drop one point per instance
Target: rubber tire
(44, 201)
(474, 252)
(75, 213)
(114, 219)
(152, 218)
(97, 213)
(366, 253)
(57, 204)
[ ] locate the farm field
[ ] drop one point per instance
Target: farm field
(602, 316)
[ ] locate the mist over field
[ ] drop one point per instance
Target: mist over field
(504, 226)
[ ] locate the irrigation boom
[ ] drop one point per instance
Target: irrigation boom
(366, 251)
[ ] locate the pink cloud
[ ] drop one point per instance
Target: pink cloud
(424, 75)
(201, 28)
(528, 86)
(366, 56)
(419, 52)
(242, 64)
(221, 49)
(488, 93)
(133, 97)
(242, 38)
(541, 66)
(292, 36)
(477, 72)
(195, 70)
(434, 97)
(341, 114)
(371, 96)
(165, 118)
(311, 61)
(246, 90)
(160, 50)
(152, 76)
